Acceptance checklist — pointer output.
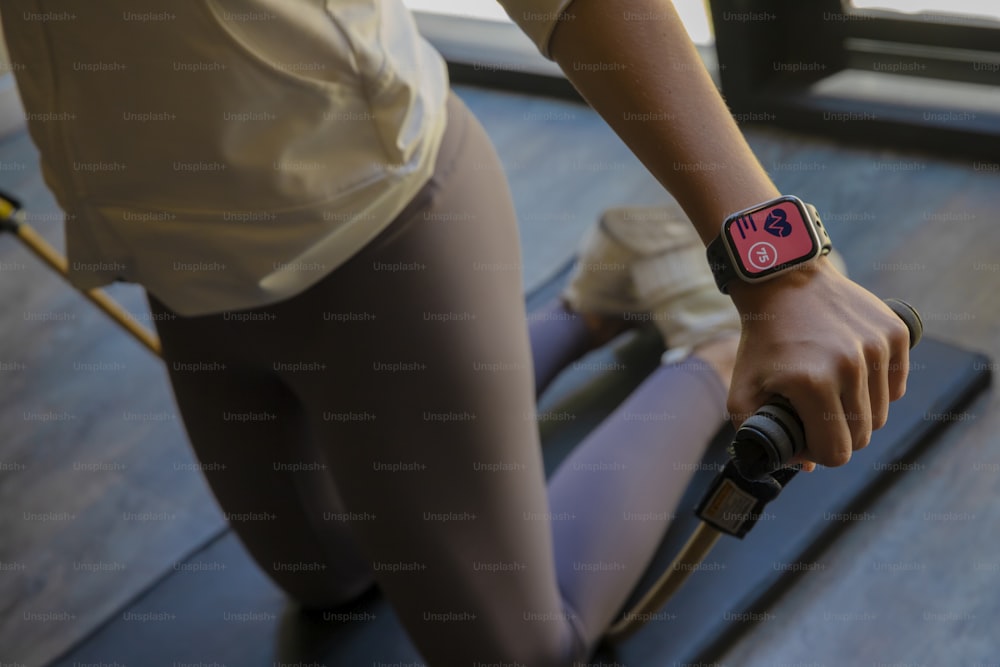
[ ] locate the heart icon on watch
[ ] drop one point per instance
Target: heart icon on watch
(777, 223)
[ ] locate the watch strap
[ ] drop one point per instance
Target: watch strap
(825, 244)
(722, 266)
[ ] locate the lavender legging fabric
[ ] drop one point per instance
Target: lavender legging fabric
(380, 428)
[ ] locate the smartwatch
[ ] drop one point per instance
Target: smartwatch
(766, 240)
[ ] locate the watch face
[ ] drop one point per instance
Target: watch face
(770, 239)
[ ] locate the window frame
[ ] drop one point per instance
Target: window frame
(873, 76)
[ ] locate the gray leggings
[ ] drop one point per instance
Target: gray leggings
(380, 428)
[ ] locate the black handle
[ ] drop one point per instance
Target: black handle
(770, 437)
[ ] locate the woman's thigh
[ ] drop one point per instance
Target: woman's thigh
(423, 394)
(255, 447)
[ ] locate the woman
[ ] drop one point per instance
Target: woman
(331, 255)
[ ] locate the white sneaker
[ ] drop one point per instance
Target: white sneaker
(648, 263)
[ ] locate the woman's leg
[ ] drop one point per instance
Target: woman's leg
(558, 337)
(254, 445)
(425, 338)
(622, 484)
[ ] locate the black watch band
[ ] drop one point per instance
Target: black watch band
(720, 263)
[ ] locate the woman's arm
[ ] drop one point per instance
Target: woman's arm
(822, 341)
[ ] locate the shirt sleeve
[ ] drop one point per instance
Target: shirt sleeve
(537, 18)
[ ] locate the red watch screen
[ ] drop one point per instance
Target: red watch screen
(770, 239)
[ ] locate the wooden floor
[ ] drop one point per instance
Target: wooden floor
(100, 498)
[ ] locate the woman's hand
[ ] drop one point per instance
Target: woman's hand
(830, 347)
(833, 349)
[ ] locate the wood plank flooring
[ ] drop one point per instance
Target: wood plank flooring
(99, 497)
(98, 491)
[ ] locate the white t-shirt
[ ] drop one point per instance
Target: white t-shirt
(227, 154)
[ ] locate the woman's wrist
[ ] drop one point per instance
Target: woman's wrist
(754, 297)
